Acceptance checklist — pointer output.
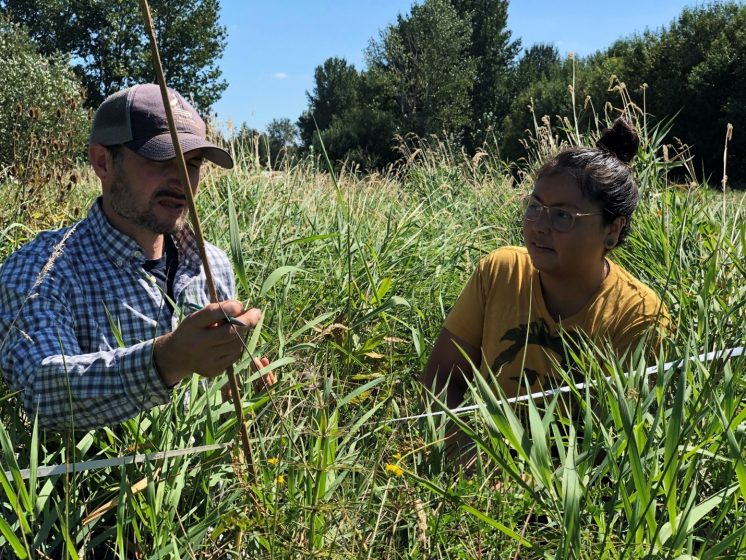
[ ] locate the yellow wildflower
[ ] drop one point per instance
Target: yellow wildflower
(272, 461)
(396, 456)
(360, 398)
(395, 469)
(280, 479)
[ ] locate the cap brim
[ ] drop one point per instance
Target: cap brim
(160, 148)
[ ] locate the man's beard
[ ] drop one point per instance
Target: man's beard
(124, 205)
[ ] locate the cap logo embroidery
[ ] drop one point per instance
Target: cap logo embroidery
(178, 111)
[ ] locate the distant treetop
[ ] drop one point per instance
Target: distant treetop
(107, 45)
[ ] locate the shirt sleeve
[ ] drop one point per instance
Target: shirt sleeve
(64, 388)
(466, 319)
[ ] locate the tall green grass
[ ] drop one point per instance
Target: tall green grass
(355, 276)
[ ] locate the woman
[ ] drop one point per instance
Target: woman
(509, 317)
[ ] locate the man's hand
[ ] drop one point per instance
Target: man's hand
(204, 342)
(264, 382)
(267, 379)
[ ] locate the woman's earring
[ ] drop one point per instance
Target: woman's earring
(610, 243)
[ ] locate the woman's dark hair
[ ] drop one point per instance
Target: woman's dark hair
(603, 173)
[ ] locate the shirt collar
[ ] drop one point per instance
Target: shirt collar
(121, 248)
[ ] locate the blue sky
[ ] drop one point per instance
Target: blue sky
(273, 48)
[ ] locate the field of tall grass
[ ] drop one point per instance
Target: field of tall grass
(355, 275)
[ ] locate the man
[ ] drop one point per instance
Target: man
(93, 318)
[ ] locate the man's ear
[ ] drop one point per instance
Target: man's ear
(101, 161)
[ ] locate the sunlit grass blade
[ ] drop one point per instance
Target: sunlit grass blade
(18, 549)
(275, 276)
(234, 235)
(571, 493)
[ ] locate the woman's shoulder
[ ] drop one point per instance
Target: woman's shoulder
(633, 310)
(633, 292)
(506, 266)
(508, 256)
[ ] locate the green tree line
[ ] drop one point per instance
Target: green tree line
(107, 46)
(451, 68)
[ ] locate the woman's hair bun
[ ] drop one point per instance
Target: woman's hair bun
(621, 140)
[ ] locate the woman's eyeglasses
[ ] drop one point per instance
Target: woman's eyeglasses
(560, 220)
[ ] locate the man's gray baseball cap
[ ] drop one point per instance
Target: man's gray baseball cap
(136, 118)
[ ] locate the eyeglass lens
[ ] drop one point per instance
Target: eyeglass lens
(559, 219)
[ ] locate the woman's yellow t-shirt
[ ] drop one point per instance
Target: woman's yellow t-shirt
(501, 310)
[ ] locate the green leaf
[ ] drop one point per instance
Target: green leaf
(18, 548)
(571, 493)
(496, 524)
(359, 391)
(276, 275)
(33, 464)
(698, 513)
(309, 325)
(234, 234)
(310, 238)
(671, 449)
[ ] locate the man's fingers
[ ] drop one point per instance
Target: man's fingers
(216, 343)
(217, 313)
(250, 318)
(259, 363)
(267, 379)
(213, 313)
(217, 339)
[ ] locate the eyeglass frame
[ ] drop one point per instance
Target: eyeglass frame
(575, 215)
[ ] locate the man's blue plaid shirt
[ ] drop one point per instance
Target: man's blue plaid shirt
(66, 298)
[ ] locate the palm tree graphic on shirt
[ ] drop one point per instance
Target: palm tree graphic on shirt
(537, 333)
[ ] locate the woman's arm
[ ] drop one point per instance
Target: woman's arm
(447, 360)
